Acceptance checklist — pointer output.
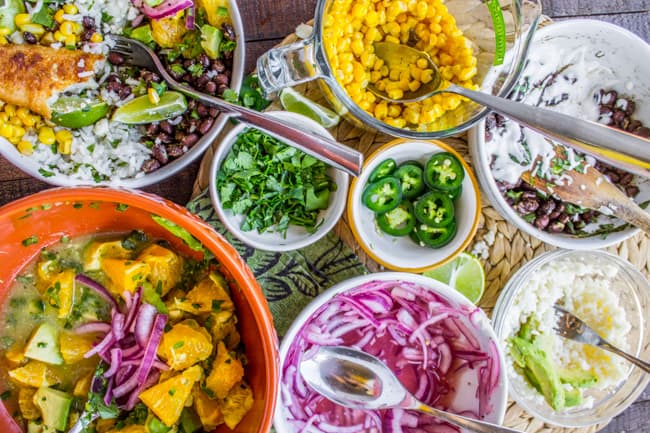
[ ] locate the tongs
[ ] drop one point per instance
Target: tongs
(336, 154)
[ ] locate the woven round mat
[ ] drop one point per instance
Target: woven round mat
(508, 247)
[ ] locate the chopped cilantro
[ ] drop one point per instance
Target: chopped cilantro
(121, 207)
(216, 305)
(30, 241)
(5, 395)
(178, 345)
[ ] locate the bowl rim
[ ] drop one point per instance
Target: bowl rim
(212, 240)
(506, 297)
(356, 183)
(476, 141)
(141, 180)
(336, 207)
(351, 283)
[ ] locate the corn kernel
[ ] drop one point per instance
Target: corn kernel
(22, 19)
(70, 9)
(3, 40)
(47, 38)
(153, 96)
(65, 147)
(63, 135)
(96, 38)
(35, 29)
(25, 147)
(58, 16)
(14, 140)
(5, 31)
(15, 121)
(10, 109)
(70, 41)
(19, 131)
(7, 130)
(59, 37)
(67, 28)
(46, 135)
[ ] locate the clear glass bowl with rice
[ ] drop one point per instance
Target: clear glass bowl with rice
(591, 385)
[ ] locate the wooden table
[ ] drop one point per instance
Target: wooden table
(267, 22)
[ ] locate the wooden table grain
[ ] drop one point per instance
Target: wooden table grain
(266, 22)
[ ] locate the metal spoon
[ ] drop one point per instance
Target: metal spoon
(357, 380)
(621, 149)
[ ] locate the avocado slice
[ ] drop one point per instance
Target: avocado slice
(540, 372)
(143, 34)
(572, 397)
(578, 378)
(55, 407)
(211, 38)
(44, 345)
(190, 420)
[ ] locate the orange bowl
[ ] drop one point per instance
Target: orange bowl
(45, 217)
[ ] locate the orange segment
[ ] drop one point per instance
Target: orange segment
(226, 372)
(185, 344)
(208, 295)
(74, 346)
(26, 403)
(167, 399)
(208, 410)
(236, 404)
(35, 374)
(166, 267)
(125, 274)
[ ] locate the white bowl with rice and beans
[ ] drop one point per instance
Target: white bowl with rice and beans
(596, 73)
(204, 50)
(586, 385)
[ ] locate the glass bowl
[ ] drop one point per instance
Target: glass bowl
(499, 33)
(633, 292)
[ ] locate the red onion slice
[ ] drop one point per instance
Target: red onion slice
(98, 288)
(150, 349)
(166, 8)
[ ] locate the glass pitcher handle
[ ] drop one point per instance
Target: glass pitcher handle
(287, 66)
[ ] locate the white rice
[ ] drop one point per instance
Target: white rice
(585, 290)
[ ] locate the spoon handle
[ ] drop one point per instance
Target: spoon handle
(621, 149)
(459, 420)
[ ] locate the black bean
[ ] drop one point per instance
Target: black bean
(228, 31)
(202, 110)
(613, 176)
(542, 221)
(547, 207)
(124, 92)
(631, 190)
(202, 81)
(634, 124)
(204, 60)
(115, 58)
(564, 218)
(164, 138)
(555, 227)
(176, 150)
(211, 87)
(214, 111)
(529, 194)
(152, 129)
(618, 116)
(189, 140)
(221, 79)
(87, 34)
(30, 38)
(188, 63)
(222, 88)
(113, 86)
(527, 205)
(192, 125)
(630, 107)
(217, 66)
(160, 153)
(166, 127)
(642, 132)
(150, 165)
(88, 22)
(625, 179)
(205, 125)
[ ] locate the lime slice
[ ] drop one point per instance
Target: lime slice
(76, 112)
(141, 110)
(464, 273)
(297, 103)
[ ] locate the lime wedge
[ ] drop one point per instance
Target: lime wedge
(464, 273)
(76, 112)
(141, 110)
(297, 103)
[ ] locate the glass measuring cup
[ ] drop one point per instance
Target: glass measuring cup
(499, 33)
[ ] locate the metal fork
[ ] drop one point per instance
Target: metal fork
(336, 154)
(571, 327)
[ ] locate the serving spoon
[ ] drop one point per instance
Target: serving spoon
(621, 149)
(357, 380)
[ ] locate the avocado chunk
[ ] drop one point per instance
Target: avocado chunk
(8, 11)
(190, 420)
(211, 38)
(44, 345)
(143, 34)
(540, 372)
(572, 397)
(96, 251)
(578, 378)
(55, 407)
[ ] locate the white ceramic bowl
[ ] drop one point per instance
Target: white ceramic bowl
(485, 334)
(401, 253)
(31, 167)
(612, 47)
(296, 237)
(633, 293)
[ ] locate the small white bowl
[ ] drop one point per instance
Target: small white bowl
(612, 47)
(485, 333)
(401, 253)
(296, 237)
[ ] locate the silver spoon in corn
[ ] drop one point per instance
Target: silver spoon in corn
(621, 149)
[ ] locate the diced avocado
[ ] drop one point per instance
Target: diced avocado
(578, 378)
(190, 421)
(44, 345)
(34, 426)
(95, 251)
(55, 407)
(540, 371)
(143, 34)
(211, 38)
(8, 11)
(154, 425)
(572, 397)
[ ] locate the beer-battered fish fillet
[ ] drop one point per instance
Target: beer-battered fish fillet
(30, 75)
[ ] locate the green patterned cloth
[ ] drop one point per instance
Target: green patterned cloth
(290, 280)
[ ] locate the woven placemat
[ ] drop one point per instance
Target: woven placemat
(508, 248)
